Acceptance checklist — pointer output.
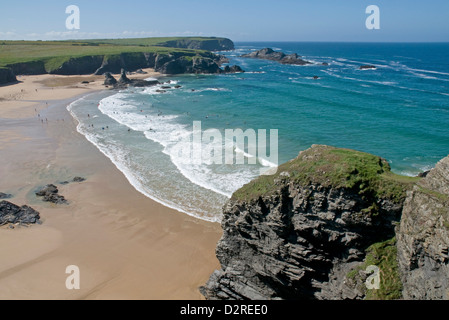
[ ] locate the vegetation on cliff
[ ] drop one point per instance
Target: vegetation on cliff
(318, 222)
(39, 57)
(384, 256)
(366, 174)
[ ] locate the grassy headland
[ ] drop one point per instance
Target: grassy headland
(38, 57)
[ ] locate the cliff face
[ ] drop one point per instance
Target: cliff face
(28, 68)
(82, 65)
(423, 237)
(192, 55)
(166, 63)
(7, 76)
(296, 235)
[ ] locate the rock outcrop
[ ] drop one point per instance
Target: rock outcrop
(209, 64)
(123, 78)
(13, 214)
(296, 235)
(49, 193)
(423, 237)
(125, 82)
(270, 54)
(109, 79)
(7, 76)
(5, 196)
(368, 67)
(166, 63)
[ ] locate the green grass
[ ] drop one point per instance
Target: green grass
(384, 256)
(142, 42)
(368, 175)
(54, 53)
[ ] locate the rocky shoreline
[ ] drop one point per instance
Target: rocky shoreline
(13, 215)
(313, 230)
(199, 59)
(270, 54)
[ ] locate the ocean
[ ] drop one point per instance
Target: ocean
(399, 111)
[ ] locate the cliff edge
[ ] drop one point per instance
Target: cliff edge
(423, 237)
(7, 76)
(300, 233)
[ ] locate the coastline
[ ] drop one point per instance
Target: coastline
(126, 245)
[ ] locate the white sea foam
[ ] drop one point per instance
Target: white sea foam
(165, 130)
(121, 160)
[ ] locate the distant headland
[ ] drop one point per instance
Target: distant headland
(175, 55)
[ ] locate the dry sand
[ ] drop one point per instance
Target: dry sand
(126, 245)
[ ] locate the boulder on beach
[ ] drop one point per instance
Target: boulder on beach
(124, 78)
(49, 193)
(5, 195)
(109, 79)
(79, 179)
(13, 214)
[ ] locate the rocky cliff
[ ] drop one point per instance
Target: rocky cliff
(297, 234)
(423, 237)
(7, 76)
(270, 54)
(166, 63)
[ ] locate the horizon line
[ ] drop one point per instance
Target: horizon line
(237, 41)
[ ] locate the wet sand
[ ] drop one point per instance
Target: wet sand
(126, 245)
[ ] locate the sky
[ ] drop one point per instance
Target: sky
(239, 20)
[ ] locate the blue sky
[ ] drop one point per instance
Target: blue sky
(243, 20)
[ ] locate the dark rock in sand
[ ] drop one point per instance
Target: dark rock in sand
(12, 214)
(125, 82)
(85, 82)
(123, 78)
(109, 79)
(49, 193)
(5, 195)
(50, 188)
(79, 179)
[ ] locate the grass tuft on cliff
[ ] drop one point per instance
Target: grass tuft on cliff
(384, 256)
(366, 174)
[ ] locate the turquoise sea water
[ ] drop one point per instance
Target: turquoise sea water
(399, 111)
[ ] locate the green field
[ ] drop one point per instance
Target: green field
(54, 53)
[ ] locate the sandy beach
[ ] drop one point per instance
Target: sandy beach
(126, 245)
